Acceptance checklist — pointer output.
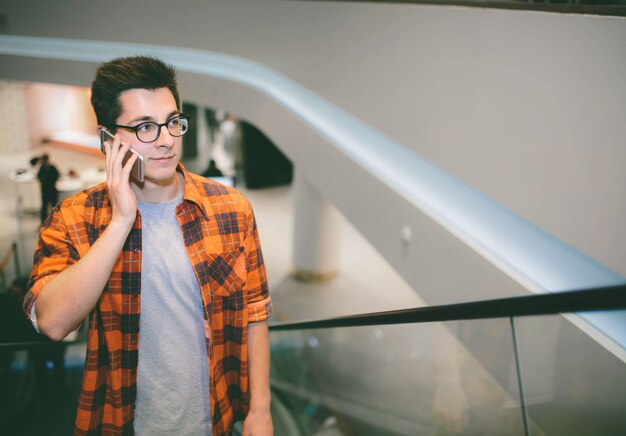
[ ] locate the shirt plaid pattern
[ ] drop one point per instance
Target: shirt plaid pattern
(221, 240)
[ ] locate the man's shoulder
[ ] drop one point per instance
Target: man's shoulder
(89, 199)
(214, 192)
(88, 196)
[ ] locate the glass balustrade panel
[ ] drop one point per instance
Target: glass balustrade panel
(574, 381)
(426, 379)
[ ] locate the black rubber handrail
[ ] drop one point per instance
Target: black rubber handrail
(31, 345)
(606, 298)
(569, 8)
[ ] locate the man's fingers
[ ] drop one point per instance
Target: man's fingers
(118, 151)
(129, 166)
(107, 152)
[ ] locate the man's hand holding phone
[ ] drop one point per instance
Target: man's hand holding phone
(120, 161)
(138, 167)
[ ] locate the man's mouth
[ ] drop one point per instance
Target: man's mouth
(162, 158)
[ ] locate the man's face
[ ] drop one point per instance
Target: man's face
(158, 105)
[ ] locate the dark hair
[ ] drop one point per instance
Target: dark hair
(122, 74)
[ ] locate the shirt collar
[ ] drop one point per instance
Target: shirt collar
(191, 192)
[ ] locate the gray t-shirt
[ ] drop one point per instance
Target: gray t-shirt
(172, 374)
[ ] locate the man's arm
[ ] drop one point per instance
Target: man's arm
(66, 300)
(69, 297)
(259, 420)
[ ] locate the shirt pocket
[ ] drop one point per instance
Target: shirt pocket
(226, 272)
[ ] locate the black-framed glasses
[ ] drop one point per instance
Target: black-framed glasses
(150, 131)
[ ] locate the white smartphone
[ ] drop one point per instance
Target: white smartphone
(138, 168)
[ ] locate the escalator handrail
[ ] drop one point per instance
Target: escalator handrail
(37, 345)
(595, 299)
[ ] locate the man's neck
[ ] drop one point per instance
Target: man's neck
(159, 192)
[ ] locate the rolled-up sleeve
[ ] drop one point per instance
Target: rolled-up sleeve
(54, 254)
(259, 300)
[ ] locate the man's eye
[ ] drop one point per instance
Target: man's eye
(174, 122)
(144, 128)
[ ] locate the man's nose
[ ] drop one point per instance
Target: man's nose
(165, 136)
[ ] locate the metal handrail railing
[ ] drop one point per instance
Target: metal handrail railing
(606, 298)
(4, 262)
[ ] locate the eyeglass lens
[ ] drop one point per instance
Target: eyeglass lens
(148, 132)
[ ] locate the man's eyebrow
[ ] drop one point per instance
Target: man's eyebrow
(145, 118)
(138, 119)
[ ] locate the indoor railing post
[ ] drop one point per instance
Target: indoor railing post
(520, 379)
(17, 260)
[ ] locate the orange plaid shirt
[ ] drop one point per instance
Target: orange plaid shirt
(221, 239)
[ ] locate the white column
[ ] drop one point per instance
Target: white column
(317, 234)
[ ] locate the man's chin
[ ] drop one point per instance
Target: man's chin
(160, 177)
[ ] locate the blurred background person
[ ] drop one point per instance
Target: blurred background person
(48, 176)
(213, 170)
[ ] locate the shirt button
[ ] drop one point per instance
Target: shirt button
(137, 250)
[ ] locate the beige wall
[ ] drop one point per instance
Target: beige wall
(14, 127)
(31, 111)
(52, 108)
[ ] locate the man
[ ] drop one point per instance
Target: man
(169, 268)
(48, 176)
